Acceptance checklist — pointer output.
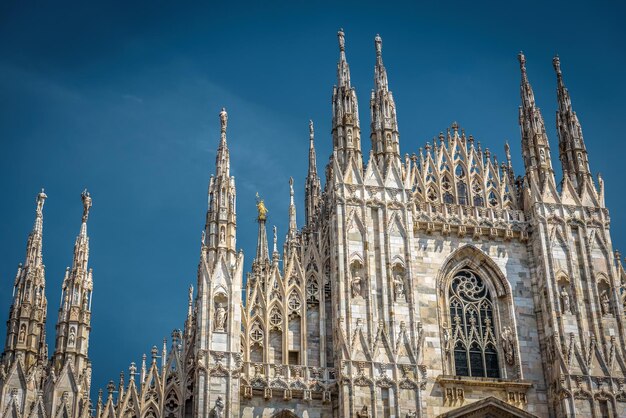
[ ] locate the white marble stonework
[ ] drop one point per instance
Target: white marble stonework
(436, 284)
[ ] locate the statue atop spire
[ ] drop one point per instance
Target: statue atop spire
(522, 61)
(41, 199)
(86, 198)
(378, 43)
(223, 120)
(342, 40)
(556, 63)
(311, 131)
(261, 209)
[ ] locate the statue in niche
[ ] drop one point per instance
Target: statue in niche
(27, 292)
(38, 297)
(565, 302)
(411, 414)
(398, 285)
(72, 337)
(220, 317)
(363, 413)
(218, 409)
(507, 344)
(605, 302)
(356, 286)
(222, 235)
(22, 335)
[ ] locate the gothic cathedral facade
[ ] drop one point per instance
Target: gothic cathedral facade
(432, 285)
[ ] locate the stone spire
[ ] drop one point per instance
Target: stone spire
(292, 240)
(384, 129)
(345, 126)
(312, 183)
(74, 321)
(572, 150)
(222, 161)
(535, 146)
(26, 327)
(293, 226)
(262, 253)
(221, 221)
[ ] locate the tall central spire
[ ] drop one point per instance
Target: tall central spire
(535, 146)
(384, 129)
(346, 130)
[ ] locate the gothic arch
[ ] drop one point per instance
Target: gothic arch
(491, 313)
(472, 258)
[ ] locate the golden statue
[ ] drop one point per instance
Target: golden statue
(260, 206)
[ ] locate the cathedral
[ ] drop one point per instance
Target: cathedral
(435, 284)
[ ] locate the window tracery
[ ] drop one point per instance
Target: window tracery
(472, 319)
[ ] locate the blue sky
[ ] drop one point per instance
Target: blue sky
(124, 99)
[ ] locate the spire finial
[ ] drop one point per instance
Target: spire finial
(378, 43)
(342, 40)
(41, 199)
(522, 62)
(556, 63)
(275, 239)
(86, 198)
(190, 301)
(261, 209)
(132, 370)
(291, 190)
(311, 130)
(224, 120)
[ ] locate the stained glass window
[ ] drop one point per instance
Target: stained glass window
(472, 319)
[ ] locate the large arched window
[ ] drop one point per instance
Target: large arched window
(472, 326)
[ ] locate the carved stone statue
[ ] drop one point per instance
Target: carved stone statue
(363, 413)
(220, 317)
(356, 286)
(508, 344)
(605, 303)
(41, 198)
(72, 337)
(398, 285)
(565, 305)
(86, 197)
(218, 409)
(411, 414)
(22, 335)
(223, 119)
(446, 341)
